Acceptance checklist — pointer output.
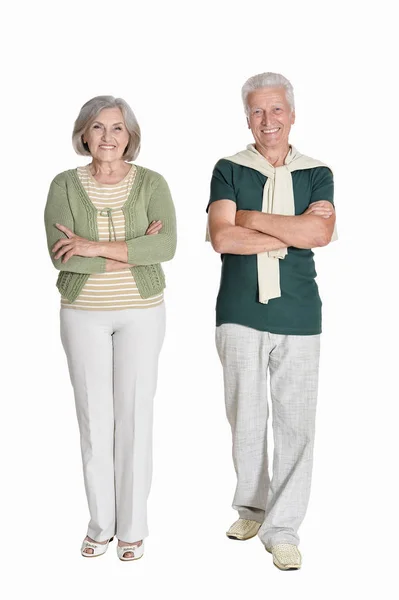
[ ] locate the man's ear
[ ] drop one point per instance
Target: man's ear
(293, 117)
(249, 126)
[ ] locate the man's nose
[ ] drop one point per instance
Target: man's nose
(265, 118)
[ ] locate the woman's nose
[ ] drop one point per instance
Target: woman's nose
(106, 135)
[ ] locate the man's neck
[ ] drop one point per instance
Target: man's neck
(274, 156)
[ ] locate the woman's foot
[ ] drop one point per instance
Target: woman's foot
(129, 555)
(89, 550)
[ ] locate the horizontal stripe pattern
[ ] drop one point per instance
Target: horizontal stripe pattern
(114, 290)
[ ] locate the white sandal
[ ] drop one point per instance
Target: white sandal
(98, 549)
(136, 550)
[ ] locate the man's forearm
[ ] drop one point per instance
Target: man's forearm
(301, 231)
(233, 239)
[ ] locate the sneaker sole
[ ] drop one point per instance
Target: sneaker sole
(240, 538)
(286, 568)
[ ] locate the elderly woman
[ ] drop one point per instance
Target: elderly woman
(109, 226)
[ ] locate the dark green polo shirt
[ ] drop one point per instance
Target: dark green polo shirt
(298, 310)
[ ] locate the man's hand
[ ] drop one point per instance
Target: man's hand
(73, 245)
(321, 208)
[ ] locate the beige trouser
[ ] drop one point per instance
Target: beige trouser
(113, 361)
(292, 360)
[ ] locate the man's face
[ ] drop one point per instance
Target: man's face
(270, 118)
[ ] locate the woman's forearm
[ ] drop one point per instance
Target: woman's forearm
(116, 251)
(115, 265)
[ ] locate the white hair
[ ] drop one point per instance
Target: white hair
(90, 111)
(267, 80)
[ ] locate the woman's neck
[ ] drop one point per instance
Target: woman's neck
(109, 171)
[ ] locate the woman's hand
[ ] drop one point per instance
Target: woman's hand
(154, 227)
(73, 245)
(320, 208)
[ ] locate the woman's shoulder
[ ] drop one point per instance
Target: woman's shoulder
(61, 179)
(149, 175)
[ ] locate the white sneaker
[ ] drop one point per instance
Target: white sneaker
(286, 556)
(243, 529)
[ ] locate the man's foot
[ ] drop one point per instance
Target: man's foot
(92, 548)
(129, 554)
(243, 529)
(286, 556)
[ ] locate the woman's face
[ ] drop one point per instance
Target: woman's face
(107, 136)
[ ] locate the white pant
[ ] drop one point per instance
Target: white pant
(113, 363)
(292, 360)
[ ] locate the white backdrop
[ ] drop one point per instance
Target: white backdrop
(181, 67)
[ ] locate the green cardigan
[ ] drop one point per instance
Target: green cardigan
(149, 200)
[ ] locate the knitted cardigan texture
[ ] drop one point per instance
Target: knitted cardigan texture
(149, 200)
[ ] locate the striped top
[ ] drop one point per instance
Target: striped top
(114, 290)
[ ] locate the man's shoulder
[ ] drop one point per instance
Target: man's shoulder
(223, 163)
(321, 173)
(314, 165)
(313, 175)
(228, 167)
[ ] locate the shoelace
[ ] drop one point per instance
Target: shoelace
(107, 212)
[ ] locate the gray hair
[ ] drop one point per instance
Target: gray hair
(89, 112)
(267, 80)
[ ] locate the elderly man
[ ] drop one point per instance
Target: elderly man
(269, 205)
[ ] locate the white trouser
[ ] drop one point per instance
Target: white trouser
(113, 362)
(293, 360)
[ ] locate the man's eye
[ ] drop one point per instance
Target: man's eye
(120, 128)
